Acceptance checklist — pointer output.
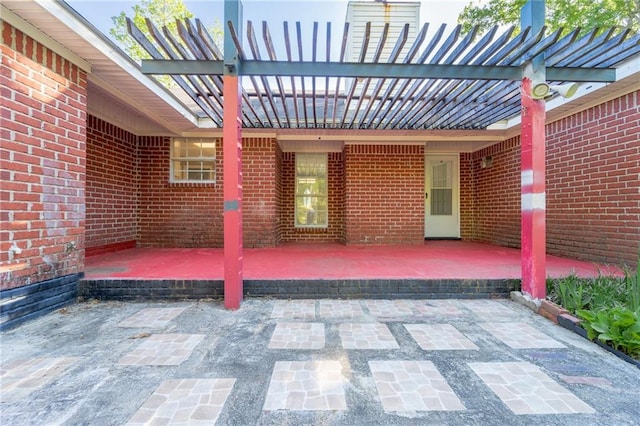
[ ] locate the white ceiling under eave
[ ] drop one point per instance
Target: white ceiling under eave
(117, 91)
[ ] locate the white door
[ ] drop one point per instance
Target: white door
(442, 216)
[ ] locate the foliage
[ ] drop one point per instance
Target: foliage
(619, 327)
(609, 307)
(632, 287)
(162, 13)
(571, 292)
(568, 14)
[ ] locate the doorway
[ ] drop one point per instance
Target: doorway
(442, 196)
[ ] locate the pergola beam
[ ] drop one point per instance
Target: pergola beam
(373, 70)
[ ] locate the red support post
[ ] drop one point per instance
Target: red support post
(533, 203)
(232, 143)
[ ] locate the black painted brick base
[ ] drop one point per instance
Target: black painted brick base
(20, 304)
(297, 289)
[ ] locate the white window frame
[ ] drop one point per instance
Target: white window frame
(177, 158)
(299, 194)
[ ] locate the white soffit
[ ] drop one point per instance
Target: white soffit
(28, 29)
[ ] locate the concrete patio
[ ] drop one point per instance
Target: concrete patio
(311, 362)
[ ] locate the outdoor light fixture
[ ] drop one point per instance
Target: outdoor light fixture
(567, 90)
(543, 90)
(540, 90)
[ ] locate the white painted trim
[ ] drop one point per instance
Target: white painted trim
(526, 178)
(31, 31)
(535, 201)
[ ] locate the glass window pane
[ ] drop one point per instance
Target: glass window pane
(193, 159)
(441, 202)
(208, 149)
(311, 190)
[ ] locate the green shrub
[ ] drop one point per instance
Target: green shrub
(609, 307)
(571, 293)
(632, 287)
(618, 327)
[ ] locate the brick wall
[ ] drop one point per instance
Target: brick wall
(592, 188)
(260, 192)
(176, 214)
(496, 194)
(384, 194)
(191, 214)
(593, 183)
(466, 196)
(335, 231)
(43, 113)
(112, 186)
(278, 182)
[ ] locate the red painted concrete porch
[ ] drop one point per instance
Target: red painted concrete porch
(451, 260)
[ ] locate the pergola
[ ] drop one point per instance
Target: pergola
(448, 81)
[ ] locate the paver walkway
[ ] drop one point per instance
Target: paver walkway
(305, 362)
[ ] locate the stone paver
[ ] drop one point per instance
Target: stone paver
(489, 310)
(19, 378)
(587, 380)
(306, 385)
(340, 309)
(520, 335)
(437, 308)
(439, 337)
(163, 349)
(311, 362)
(367, 336)
(290, 309)
(412, 386)
(152, 318)
(525, 389)
(389, 308)
(184, 402)
(306, 335)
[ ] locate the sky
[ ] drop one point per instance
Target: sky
(99, 12)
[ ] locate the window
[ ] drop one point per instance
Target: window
(441, 189)
(193, 160)
(311, 191)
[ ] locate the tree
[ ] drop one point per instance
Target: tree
(161, 13)
(567, 14)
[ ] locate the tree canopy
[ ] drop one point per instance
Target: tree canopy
(162, 13)
(567, 14)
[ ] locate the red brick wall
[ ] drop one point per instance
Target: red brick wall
(496, 194)
(176, 214)
(592, 188)
(260, 192)
(335, 231)
(593, 183)
(112, 185)
(43, 113)
(384, 194)
(191, 214)
(466, 196)
(278, 182)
